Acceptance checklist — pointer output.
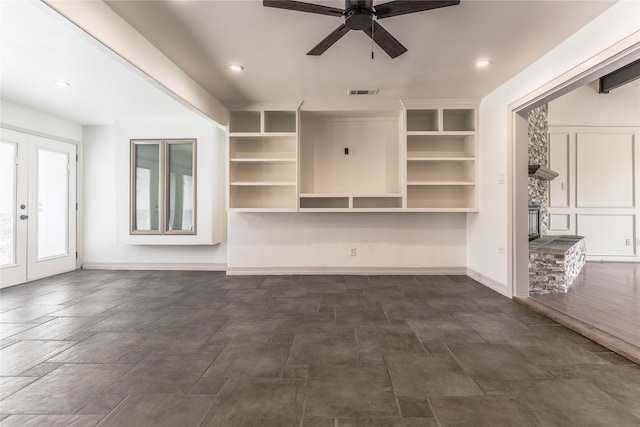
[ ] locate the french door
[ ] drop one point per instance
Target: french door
(37, 207)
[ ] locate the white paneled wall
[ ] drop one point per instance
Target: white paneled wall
(596, 193)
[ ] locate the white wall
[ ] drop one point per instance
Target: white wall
(30, 121)
(106, 177)
(321, 243)
(488, 230)
(586, 107)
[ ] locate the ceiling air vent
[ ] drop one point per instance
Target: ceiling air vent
(363, 91)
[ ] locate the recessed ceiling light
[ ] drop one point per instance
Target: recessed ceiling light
(235, 67)
(60, 83)
(481, 63)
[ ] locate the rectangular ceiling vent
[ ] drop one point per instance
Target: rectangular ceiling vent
(363, 91)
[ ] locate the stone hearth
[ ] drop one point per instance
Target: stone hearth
(554, 263)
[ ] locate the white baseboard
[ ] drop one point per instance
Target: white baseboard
(153, 266)
(488, 282)
(389, 271)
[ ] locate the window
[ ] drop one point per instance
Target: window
(163, 186)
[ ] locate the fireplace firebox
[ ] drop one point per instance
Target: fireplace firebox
(534, 222)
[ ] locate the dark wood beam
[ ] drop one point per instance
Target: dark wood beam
(620, 77)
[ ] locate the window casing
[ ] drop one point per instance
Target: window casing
(163, 186)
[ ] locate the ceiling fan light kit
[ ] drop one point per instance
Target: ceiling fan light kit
(362, 15)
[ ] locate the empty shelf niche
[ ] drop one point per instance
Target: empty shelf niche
(440, 171)
(262, 147)
(280, 121)
(262, 171)
(441, 197)
(377, 202)
(440, 146)
(458, 120)
(274, 197)
(422, 120)
(324, 202)
(244, 122)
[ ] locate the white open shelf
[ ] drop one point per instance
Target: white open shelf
(263, 153)
(263, 196)
(441, 197)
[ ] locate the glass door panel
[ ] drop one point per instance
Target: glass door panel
(53, 204)
(8, 208)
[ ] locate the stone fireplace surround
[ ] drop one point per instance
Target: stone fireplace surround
(554, 261)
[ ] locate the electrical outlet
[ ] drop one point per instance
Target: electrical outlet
(501, 251)
(349, 151)
(353, 252)
(500, 178)
(627, 242)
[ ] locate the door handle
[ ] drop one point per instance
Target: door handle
(24, 216)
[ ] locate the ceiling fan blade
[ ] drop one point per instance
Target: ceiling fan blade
(329, 40)
(385, 40)
(401, 7)
(303, 7)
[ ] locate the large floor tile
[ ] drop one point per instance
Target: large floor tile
(103, 347)
(573, 402)
(159, 410)
(492, 323)
(387, 422)
(349, 391)
(305, 305)
(398, 337)
(496, 361)
(349, 318)
(483, 411)
(51, 421)
(127, 321)
(258, 402)
(9, 385)
(249, 330)
(24, 355)
(28, 313)
(250, 360)
(620, 382)
(441, 328)
(63, 391)
(9, 329)
(58, 328)
(323, 348)
(164, 373)
(306, 323)
(416, 374)
(170, 339)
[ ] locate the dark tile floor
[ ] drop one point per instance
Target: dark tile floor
(118, 348)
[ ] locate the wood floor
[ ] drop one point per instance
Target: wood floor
(603, 304)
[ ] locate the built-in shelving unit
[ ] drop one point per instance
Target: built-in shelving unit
(263, 154)
(350, 161)
(441, 164)
(386, 160)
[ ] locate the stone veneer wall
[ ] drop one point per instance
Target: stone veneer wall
(538, 155)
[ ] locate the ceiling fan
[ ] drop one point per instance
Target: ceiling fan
(363, 15)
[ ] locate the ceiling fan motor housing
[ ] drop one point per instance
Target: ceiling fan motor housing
(358, 14)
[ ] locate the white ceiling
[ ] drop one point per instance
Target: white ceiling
(204, 37)
(39, 47)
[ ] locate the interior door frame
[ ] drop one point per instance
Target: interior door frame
(618, 55)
